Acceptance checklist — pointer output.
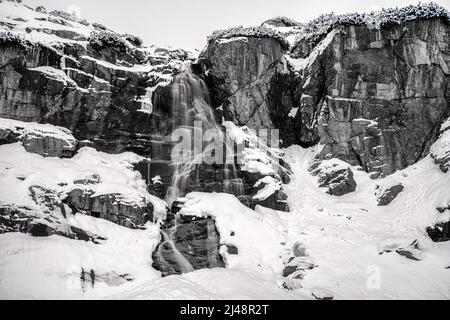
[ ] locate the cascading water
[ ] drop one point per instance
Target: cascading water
(192, 118)
(189, 108)
(167, 254)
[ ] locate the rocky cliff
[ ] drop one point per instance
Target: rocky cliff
(84, 77)
(371, 95)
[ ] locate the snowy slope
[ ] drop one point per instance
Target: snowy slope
(352, 241)
(347, 237)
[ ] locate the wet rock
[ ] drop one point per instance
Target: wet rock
(191, 243)
(389, 194)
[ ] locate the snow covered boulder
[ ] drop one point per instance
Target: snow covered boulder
(44, 139)
(389, 194)
(113, 207)
(270, 195)
(46, 218)
(336, 176)
(440, 150)
(440, 231)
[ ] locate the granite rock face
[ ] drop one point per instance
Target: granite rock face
(44, 139)
(47, 218)
(335, 176)
(374, 97)
(102, 94)
(239, 72)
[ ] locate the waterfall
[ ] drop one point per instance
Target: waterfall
(190, 106)
(167, 253)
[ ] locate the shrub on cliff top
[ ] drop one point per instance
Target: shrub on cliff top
(134, 40)
(7, 37)
(258, 32)
(288, 22)
(68, 16)
(107, 39)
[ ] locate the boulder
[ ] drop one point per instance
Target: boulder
(191, 243)
(389, 194)
(112, 207)
(44, 139)
(336, 177)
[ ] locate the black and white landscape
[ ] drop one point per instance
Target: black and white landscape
(282, 161)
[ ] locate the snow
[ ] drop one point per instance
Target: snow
(207, 284)
(55, 74)
(258, 249)
(9, 11)
(293, 112)
(49, 130)
(114, 170)
(351, 241)
(344, 236)
(257, 157)
(270, 186)
(223, 41)
(441, 148)
(50, 267)
(299, 64)
(135, 68)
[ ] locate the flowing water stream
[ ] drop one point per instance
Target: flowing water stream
(192, 116)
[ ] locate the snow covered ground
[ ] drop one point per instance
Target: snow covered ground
(347, 237)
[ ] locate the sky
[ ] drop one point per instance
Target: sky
(187, 23)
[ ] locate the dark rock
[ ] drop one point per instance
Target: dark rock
(43, 224)
(239, 74)
(338, 179)
(440, 151)
(389, 194)
(232, 249)
(349, 97)
(44, 139)
(110, 207)
(411, 252)
(439, 232)
(91, 179)
(321, 294)
(189, 245)
(408, 254)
